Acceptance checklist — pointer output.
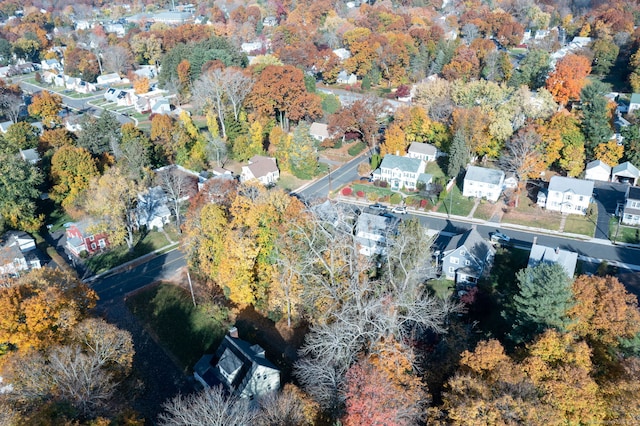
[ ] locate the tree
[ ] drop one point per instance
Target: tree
(289, 407)
(141, 85)
(21, 136)
(112, 199)
(596, 115)
(100, 135)
(568, 78)
(108, 346)
(72, 169)
(609, 152)
(302, 153)
(117, 59)
(19, 183)
(135, 152)
(458, 155)
(394, 141)
(178, 187)
(56, 138)
(209, 407)
(46, 106)
(360, 117)
(11, 102)
(280, 91)
(543, 300)
(162, 129)
(523, 154)
(605, 53)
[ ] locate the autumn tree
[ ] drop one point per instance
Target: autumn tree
(72, 169)
(568, 78)
(395, 141)
(609, 152)
(289, 407)
(162, 129)
(19, 136)
(302, 153)
(112, 199)
(280, 92)
(605, 53)
(523, 154)
(360, 117)
(543, 300)
(134, 152)
(55, 138)
(46, 106)
(141, 85)
(19, 181)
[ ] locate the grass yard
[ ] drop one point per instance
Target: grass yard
(529, 214)
(434, 170)
(289, 182)
(442, 287)
(121, 254)
(484, 211)
(625, 234)
(56, 215)
(186, 331)
(459, 205)
(581, 225)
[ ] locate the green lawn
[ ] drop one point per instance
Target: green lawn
(625, 234)
(484, 211)
(379, 192)
(529, 214)
(186, 331)
(442, 287)
(459, 205)
(55, 214)
(581, 225)
(434, 170)
(121, 254)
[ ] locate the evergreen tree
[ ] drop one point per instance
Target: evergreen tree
(458, 155)
(595, 115)
(543, 299)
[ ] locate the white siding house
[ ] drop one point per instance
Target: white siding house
(399, 171)
(569, 195)
(261, 168)
(481, 182)
(17, 253)
(598, 170)
(319, 131)
(424, 151)
(631, 213)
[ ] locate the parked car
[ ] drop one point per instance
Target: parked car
(499, 237)
(365, 178)
(377, 207)
(399, 210)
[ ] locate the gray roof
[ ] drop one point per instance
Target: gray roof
(423, 148)
(564, 258)
(626, 169)
(262, 166)
(425, 177)
(483, 174)
(472, 241)
(319, 129)
(598, 163)
(391, 161)
(577, 186)
(633, 193)
(635, 98)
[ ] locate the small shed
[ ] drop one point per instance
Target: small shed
(598, 170)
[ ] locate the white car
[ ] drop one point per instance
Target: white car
(399, 210)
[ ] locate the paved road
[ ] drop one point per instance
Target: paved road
(320, 188)
(80, 105)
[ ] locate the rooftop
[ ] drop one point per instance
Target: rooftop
(391, 161)
(483, 174)
(577, 186)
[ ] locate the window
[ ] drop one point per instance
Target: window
(451, 269)
(455, 260)
(581, 198)
(91, 238)
(463, 252)
(102, 243)
(568, 197)
(467, 262)
(93, 246)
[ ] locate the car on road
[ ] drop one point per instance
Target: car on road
(399, 210)
(499, 237)
(377, 207)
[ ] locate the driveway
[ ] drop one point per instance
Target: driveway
(607, 196)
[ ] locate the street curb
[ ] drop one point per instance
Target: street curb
(134, 262)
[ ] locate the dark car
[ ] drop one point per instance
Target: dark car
(378, 207)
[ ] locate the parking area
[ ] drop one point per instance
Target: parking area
(607, 196)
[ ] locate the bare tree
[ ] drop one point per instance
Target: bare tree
(209, 407)
(217, 151)
(177, 186)
(522, 154)
(285, 408)
(238, 86)
(209, 91)
(109, 346)
(117, 59)
(11, 103)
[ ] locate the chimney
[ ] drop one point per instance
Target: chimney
(233, 332)
(535, 239)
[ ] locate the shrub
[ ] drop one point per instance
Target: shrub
(396, 199)
(372, 196)
(384, 198)
(384, 184)
(423, 203)
(360, 194)
(347, 191)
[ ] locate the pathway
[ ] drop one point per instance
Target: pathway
(473, 209)
(563, 221)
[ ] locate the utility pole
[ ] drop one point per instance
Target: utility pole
(193, 298)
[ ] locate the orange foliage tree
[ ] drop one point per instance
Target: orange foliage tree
(567, 80)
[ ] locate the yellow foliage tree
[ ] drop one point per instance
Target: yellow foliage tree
(141, 85)
(609, 152)
(395, 141)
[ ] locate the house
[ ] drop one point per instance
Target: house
(344, 78)
(51, 65)
(467, 257)
(106, 79)
(270, 21)
(634, 103)
(30, 156)
(253, 47)
(598, 170)
(625, 173)
(342, 53)
(319, 131)
(81, 239)
(400, 171)
(543, 254)
(17, 253)
(568, 195)
(241, 368)
(221, 171)
(152, 211)
(73, 123)
(510, 181)
(4, 126)
(482, 182)
(161, 106)
(631, 212)
(115, 28)
(372, 231)
(265, 169)
(424, 151)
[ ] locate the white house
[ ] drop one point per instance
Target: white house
(344, 78)
(17, 253)
(30, 156)
(634, 103)
(467, 257)
(569, 195)
(240, 367)
(481, 182)
(424, 151)
(264, 169)
(319, 131)
(543, 254)
(399, 171)
(597, 170)
(161, 106)
(372, 231)
(631, 212)
(106, 79)
(152, 210)
(51, 65)
(342, 53)
(625, 173)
